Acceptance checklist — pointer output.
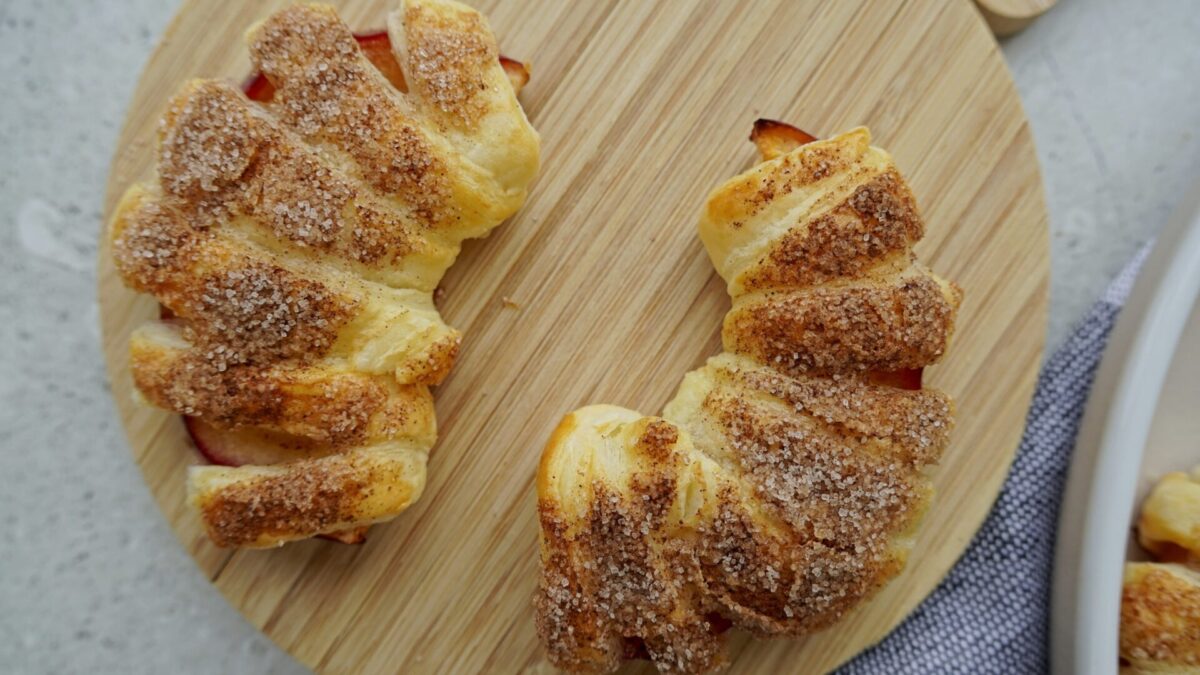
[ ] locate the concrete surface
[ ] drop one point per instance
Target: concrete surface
(92, 579)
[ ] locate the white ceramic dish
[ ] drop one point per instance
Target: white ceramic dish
(1142, 421)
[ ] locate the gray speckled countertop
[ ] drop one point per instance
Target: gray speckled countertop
(91, 578)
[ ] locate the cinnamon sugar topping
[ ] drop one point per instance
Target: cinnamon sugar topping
(276, 182)
(878, 220)
(446, 55)
(797, 169)
(328, 93)
(262, 313)
(315, 499)
(905, 324)
(623, 588)
(207, 143)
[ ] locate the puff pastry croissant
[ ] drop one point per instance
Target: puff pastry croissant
(782, 485)
(297, 243)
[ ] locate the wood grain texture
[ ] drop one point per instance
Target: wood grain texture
(643, 108)
(1006, 17)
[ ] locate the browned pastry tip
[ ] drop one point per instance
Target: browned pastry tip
(517, 71)
(774, 138)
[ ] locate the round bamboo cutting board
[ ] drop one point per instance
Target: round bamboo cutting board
(599, 291)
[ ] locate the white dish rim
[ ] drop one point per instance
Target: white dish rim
(1101, 485)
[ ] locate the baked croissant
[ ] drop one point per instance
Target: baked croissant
(297, 243)
(782, 485)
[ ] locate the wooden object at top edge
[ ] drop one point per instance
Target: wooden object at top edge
(1006, 17)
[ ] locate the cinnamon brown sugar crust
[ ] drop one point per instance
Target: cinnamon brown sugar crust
(296, 242)
(783, 485)
(1160, 618)
(897, 323)
(1160, 601)
(449, 76)
(878, 220)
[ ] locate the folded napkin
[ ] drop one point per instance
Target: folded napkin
(991, 614)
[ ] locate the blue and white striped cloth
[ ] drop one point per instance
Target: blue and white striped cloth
(991, 614)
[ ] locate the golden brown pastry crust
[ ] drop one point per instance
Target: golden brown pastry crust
(899, 322)
(782, 486)
(1160, 618)
(297, 243)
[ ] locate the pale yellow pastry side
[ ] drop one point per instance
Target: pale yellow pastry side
(1170, 522)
